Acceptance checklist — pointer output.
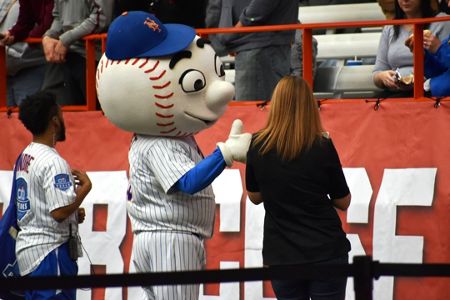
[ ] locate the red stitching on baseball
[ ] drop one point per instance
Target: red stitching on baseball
(158, 77)
(165, 124)
(153, 68)
(158, 87)
(169, 131)
(135, 61)
(163, 97)
(164, 116)
(164, 106)
(144, 63)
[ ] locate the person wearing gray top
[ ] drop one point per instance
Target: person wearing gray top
(262, 58)
(393, 55)
(64, 48)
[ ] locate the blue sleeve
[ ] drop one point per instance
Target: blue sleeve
(438, 63)
(200, 176)
(432, 66)
(443, 53)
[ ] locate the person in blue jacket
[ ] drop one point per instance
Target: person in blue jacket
(437, 63)
(437, 69)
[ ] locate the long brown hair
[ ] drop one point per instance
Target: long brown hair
(294, 121)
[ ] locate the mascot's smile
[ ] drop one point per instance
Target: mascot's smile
(207, 122)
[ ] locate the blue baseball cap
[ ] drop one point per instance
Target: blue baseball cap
(141, 34)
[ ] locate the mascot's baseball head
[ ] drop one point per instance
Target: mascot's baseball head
(160, 79)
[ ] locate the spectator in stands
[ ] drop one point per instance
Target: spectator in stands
(25, 63)
(191, 13)
(297, 54)
(294, 169)
(65, 49)
(388, 7)
(392, 54)
(444, 7)
(261, 58)
(437, 64)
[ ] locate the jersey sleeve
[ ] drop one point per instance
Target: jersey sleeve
(58, 183)
(203, 174)
(170, 160)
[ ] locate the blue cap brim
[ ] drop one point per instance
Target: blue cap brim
(178, 38)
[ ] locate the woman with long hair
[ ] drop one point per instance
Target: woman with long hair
(394, 60)
(294, 169)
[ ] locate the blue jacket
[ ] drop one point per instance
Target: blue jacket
(437, 67)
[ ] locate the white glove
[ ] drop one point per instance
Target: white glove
(237, 144)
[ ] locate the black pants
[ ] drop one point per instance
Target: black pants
(67, 81)
(297, 289)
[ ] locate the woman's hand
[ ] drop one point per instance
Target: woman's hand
(388, 79)
(6, 39)
(431, 43)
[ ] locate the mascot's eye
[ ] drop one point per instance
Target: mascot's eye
(219, 67)
(192, 81)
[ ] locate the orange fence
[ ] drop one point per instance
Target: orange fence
(418, 54)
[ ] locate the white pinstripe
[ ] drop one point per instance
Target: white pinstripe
(40, 233)
(169, 226)
(156, 164)
(162, 251)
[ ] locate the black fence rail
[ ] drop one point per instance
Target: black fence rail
(363, 270)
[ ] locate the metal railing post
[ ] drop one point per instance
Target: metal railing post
(91, 93)
(308, 57)
(2, 77)
(418, 61)
(363, 280)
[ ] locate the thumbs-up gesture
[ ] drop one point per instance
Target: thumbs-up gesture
(236, 146)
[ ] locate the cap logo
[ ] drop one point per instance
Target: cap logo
(152, 25)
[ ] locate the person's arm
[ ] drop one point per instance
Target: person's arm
(202, 175)
(96, 22)
(385, 79)
(56, 27)
(251, 181)
(339, 192)
(383, 75)
(84, 185)
(25, 22)
(255, 197)
(432, 66)
(443, 53)
(46, 19)
(342, 203)
(257, 12)
(213, 9)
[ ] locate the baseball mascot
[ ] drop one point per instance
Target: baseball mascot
(164, 83)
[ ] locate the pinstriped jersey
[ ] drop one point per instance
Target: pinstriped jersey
(44, 183)
(156, 164)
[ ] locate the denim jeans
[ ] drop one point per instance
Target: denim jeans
(259, 70)
(26, 82)
(298, 289)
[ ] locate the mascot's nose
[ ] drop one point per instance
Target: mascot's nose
(219, 94)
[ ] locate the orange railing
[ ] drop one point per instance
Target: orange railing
(418, 54)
